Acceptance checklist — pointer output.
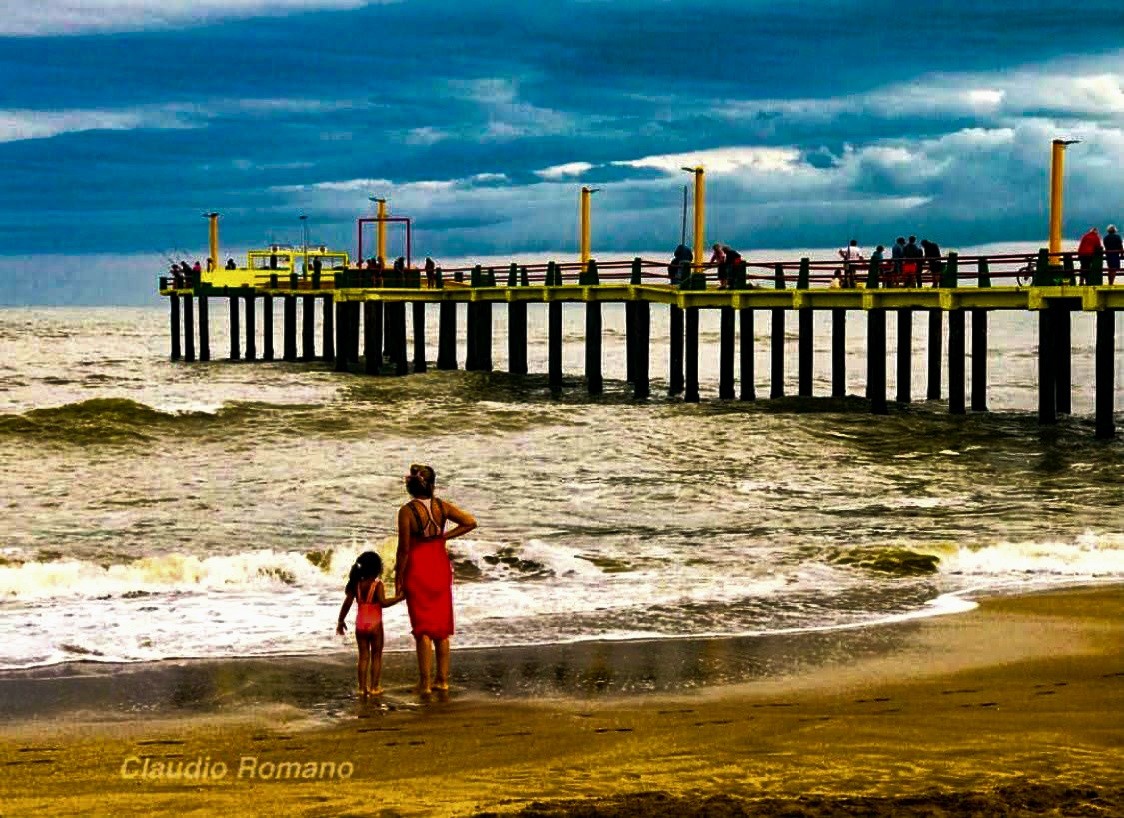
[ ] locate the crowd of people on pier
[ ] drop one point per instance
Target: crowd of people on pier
(907, 265)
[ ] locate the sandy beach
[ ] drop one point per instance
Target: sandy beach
(1013, 708)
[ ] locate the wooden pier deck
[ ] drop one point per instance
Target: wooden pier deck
(1047, 286)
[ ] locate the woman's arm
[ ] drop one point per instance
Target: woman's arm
(402, 557)
(465, 521)
(341, 627)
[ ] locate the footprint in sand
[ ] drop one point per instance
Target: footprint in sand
(962, 690)
(671, 712)
(518, 733)
(159, 741)
(38, 750)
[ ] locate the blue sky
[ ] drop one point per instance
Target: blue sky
(120, 123)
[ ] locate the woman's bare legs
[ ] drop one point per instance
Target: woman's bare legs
(425, 663)
(441, 682)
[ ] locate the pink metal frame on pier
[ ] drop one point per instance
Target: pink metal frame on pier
(375, 220)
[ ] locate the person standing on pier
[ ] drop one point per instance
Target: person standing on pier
(933, 253)
(430, 273)
(1113, 249)
(852, 255)
(911, 265)
(424, 572)
(1086, 249)
(718, 260)
(677, 269)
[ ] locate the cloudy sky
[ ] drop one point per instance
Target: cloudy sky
(121, 121)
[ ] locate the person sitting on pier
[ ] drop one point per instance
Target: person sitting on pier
(677, 270)
(878, 264)
(1086, 249)
(718, 260)
(1113, 249)
(210, 264)
(196, 273)
(176, 274)
(185, 272)
(932, 252)
(231, 265)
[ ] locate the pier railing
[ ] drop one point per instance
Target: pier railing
(945, 272)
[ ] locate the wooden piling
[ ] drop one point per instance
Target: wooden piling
(204, 329)
(554, 342)
(329, 330)
(1062, 363)
(594, 380)
(235, 330)
(776, 369)
(472, 332)
(188, 329)
(1105, 374)
(675, 351)
(517, 325)
(419, 337)
(372, 339)
(691, 358)
(936, 343)
(447, 336)
(378, 333)
(289, 328)
(1047, 388)
(956, 404)
(838, 352)
(805, 344)
(308, 328)
(342, 324)
(746, 375)
(726, 354)
(979, 344)
(251, 328)
(642, 324)
(905, 356)
(267, 327)
(174, 326)
(876, 360)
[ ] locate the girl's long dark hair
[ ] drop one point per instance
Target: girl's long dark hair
(367, 566)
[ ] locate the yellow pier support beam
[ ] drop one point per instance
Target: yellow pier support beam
(1057, 176)
(213, 236)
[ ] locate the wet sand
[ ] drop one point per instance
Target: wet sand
(1016, 708)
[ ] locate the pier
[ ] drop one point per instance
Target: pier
(365, 328)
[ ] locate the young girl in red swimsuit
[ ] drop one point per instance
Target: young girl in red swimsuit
(364, 585)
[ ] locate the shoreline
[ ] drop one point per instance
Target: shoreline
(1017, 698)
(321, 684)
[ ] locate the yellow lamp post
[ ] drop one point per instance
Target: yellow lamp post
(213, 236)
(700, 215)
(380, 228)
(1057, 174)
(584, 241)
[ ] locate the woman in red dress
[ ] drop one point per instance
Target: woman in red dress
(424, 573)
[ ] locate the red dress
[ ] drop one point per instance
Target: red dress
(429, 577)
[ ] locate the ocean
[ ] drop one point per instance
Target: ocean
(157, 510)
